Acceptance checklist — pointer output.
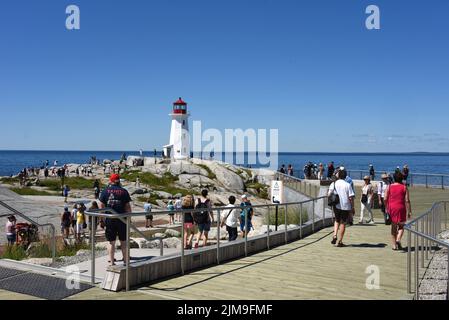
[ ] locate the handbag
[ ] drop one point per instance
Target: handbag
(333, 199)
(387, 216)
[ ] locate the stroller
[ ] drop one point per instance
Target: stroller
(26, 233)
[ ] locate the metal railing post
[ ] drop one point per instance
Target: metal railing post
(161, 247)
(324, 212)
(53, 244)
(427, 232)
(422, 242)
(442, 182)
(427, 185)
(268, 228)
(313, 215)
(246, 233)
(416, 265)
(285, 224)
(218, 236)
(300, 220)
(183, 237)
(128, 246)
(93, 225)
(409, 261)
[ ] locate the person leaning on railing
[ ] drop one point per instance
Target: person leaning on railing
(399, 208)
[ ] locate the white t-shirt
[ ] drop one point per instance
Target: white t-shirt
(147, 207)
(233, 216)
(178, 204)
(381, 188)
(10, 228)
(344, 192)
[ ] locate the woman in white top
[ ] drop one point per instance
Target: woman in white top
(367, 200)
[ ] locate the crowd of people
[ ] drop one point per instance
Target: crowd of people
(392, 196)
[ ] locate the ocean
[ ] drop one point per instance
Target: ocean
(11, 162)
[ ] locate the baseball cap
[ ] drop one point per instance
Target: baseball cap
(114, 178)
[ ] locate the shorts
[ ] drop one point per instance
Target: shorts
(204, 227)
(73, 224)
(341, 216)
(242, 225)
(189, 227)
(79, 228)
(65, 224)
(11, 238)
(149, 216)
(115, 228)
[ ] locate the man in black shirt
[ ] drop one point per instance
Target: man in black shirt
(118, 199)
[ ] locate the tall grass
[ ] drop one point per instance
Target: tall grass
(293, 216)
(26, 191)
(15, 252)
(79, 183)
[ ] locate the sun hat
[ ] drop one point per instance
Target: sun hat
(366, 178)
(114, 178)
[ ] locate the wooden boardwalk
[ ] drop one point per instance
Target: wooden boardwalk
(310, 268)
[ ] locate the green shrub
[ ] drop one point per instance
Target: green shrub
(210, 174)
(71, 250)
(26, 191)
(78, 183)
(15, 252)
(293, 216)
(8, 180)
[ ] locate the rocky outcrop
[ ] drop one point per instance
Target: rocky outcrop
(190, 181)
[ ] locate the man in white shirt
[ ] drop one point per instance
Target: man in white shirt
(344, 208)
(382, 186)
(231, 219)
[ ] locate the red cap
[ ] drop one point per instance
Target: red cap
(114, 178)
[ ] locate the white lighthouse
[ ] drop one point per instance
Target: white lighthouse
(179, 146)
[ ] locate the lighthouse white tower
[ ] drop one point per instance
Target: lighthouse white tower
(179, 146)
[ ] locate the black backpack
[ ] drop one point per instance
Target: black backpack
(202, 217)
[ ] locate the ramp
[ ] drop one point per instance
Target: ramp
(39, 285)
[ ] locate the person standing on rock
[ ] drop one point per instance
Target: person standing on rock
(117, 198)
(147, 207)
(231, 219)
(203, 218)
(246, 215)
(345, 207)
(188, 203)
(178, 206)
(171, 215)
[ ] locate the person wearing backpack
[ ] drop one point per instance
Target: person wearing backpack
(231, 219)
(203, 218)
(66, 221)
(246, 213)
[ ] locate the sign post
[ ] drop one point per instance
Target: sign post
(277, 197)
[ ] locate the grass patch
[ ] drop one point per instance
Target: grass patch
(72, 249)
(78, 183)
(26, 191)
(293, 216)
(14, 252)
(210, 174)
(262, 189)
(7, 180)
(149, 178)
(152, 199)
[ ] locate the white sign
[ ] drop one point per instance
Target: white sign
(277, 191)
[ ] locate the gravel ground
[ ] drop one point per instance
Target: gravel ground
(434, 284)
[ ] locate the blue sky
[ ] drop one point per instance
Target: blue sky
(308, 68)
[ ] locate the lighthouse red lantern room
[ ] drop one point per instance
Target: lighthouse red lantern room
(179, 146)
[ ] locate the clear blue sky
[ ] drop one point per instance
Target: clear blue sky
(309, 68)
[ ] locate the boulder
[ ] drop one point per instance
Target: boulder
(163, 194)
(184, 167)
(172, 243)
(160, 235)
(190, 180)
(172, 233)
(213, 234)
(227, 178)
(40, 261)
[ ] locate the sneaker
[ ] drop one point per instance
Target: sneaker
(398, 245)
(341, 244)
(360, 221)
(334, 240)
(371, 222)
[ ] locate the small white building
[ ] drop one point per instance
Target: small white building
(179, 146)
